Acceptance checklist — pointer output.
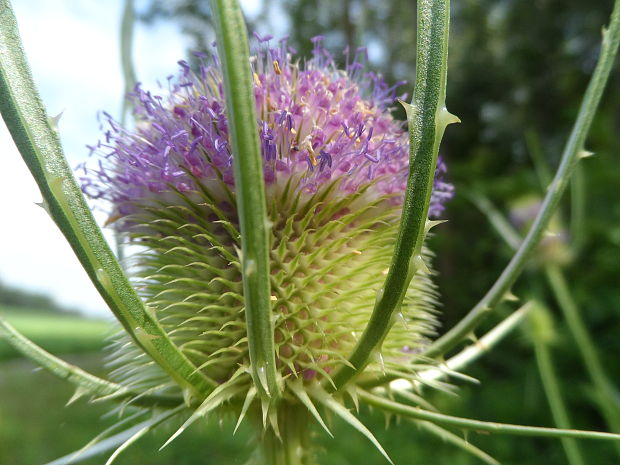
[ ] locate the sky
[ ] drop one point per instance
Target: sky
(73, 51)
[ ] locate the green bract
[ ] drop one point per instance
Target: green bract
(265, 285)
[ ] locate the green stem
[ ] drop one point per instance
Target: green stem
(585, 344)
(391, 406)
(427, 119)
(84, 382)
(467, 356)
(250, 191)
(39, 145)
(587, 349)
(554, 394)
(129, 77)
(294, 444)
(126, 42)
(573, 152)
(577, 210)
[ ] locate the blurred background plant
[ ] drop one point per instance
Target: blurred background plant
(517, 74)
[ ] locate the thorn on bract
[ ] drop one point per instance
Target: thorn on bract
(409, 109)
(79, 393)
(430, 224)
(510, 297)
(250, 267)
(445, 118)
(584, 154)
(188, 395)
(54, 120)
(44, 205)
(104, 278)
(55, 184)
(420, 265)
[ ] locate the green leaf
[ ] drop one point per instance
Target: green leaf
(121, 440)
(541, 324)
(573, 151)
(85, 382)
(427, 118)
(417, 413)
(39, 145)
(340, 410)
(250, 191)
(456, 440)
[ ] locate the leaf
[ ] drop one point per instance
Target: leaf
(124, 439)
(334, 406)
(427, 119)
(417, 413)
(39, 145)
(84, 381)
(250, 191)
(456, 440)
(298, 389)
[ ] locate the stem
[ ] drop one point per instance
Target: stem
(250, 191)
(84, 382)
(573, 152)
(577, 210)
(476, 425)
(552, 391)
(294, 444)
(587, 349)
(129, 77)
(39, 145)
(126, 42)
(462, 359)
(427, 119)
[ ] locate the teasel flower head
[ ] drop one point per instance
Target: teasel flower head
(335, 168)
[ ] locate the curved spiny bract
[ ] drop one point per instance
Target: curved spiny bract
(335, 167)
(327, 264)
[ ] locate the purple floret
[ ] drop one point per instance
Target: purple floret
(314, 121)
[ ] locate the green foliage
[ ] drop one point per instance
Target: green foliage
(500, 124)
(59, 334)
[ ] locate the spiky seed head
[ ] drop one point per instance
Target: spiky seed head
(335, 167)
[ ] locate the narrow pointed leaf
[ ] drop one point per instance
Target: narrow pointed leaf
(85, 382)
(299, 390)
(147, 428)
(39, 145)
(219, 395)
(340, 410)
(250, 190)
(573, 152)
(114, 441)
(427, 118)
(477, 425)
(450, 437)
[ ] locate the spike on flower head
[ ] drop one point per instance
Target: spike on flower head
(335, 167)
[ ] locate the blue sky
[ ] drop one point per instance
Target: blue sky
(72, 48)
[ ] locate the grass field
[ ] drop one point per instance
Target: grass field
(58, 333)
(36, 426)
